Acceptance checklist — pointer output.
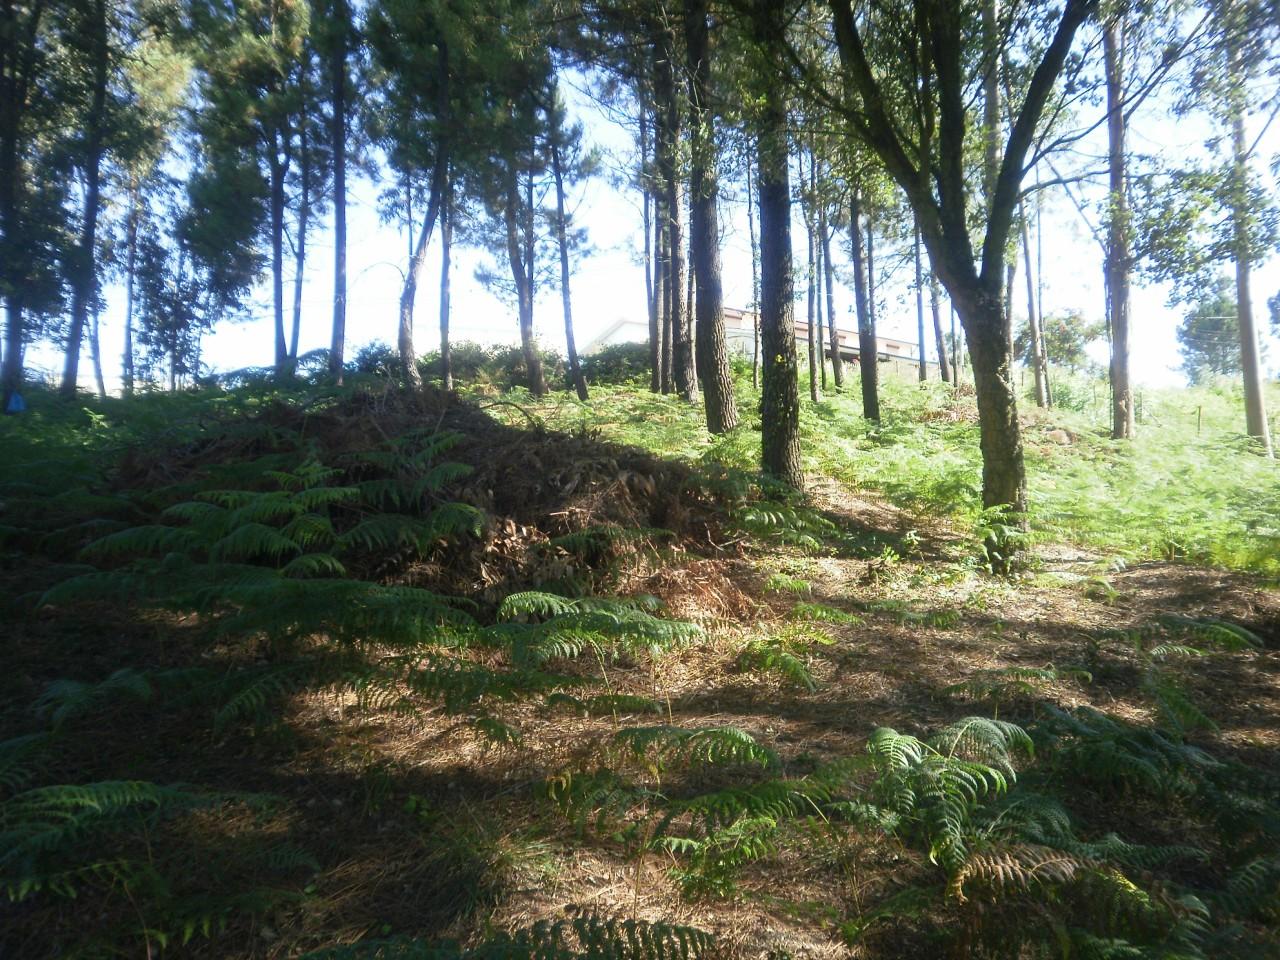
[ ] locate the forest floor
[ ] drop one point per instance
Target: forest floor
(415, 823)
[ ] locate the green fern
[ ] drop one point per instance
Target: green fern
(1008, 684)
(936, 787)
(714, 746)
(821, 613)
(714, 861)
(44, 832)
(582, 938)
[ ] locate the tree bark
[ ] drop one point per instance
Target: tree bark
(660, 301)
(84, 277)
(866, 321)
(1010, 275)
(837, 362)
(655, 329)
(944, 365)
(818, 288)
(95, 350)
(446, 262)
(300, 249)
(1118, 257)
(755, 282)
(810, 276)
(418, 259)
(338, 136)
(1255, 407)
(1004, 480)
(1039, 362)
(779, 400)
(131, 272)
(924, 366)
(990, 99)
(17, 72)
(562, 241)
(668, 106)
(704, 230)
(522, 275)
(278, 168)
(13, 343)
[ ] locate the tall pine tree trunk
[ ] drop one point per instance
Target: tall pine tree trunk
(660, 301)
(944, 364)
(338, 136)
(84, 277)
(130, 276)
(819, 286)
(277, 261)
(95, 349)
(418, 257)
(446, 265)
(667, 103)
(651, 301)
(1255, 408)
(704, 230)
(1039, 362)
(924, 366)
(562, 241)
(866, 320)
(779, 400)
(300, 248)
(810, 275)
(520, 254)
(755, 281)
(837, 362)
(990, 99)
(1118, 258)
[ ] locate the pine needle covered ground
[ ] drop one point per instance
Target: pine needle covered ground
(345, 674)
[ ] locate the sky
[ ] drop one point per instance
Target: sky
(609, 284)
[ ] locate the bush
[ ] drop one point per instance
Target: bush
(376, 357)
(502, 365)
(618, 363)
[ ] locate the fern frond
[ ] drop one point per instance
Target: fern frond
(1253, 890)
(772, 657)
(583, 938)
(1219, 634)
(1010, 683)
(534, 603)
(716, 746)
(821, 613)
(250, 541)
(43, 831)
(18, 758)
(309, 530)
(716, 858)
(149, 540)
(600, 796)
(1017, 868)
(65, 700)
(314, 565)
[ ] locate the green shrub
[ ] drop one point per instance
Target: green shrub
(618, 363)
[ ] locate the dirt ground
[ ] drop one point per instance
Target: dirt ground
(419, 825)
